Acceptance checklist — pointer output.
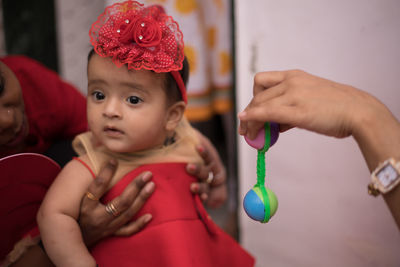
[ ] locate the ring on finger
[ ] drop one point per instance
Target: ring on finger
(210, 178)
(111, 209)
(91, 196)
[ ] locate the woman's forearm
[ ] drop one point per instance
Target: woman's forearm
(378, 136)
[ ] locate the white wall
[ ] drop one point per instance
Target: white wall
(325, 216)
(74, 19)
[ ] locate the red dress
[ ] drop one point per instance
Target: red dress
(181, 234)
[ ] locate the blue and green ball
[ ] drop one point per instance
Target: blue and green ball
(256, 208)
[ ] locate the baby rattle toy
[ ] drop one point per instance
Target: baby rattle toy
(260, 203)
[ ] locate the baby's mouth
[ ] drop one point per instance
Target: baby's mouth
(112, 130)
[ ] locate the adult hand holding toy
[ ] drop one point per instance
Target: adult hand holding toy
(298, 99)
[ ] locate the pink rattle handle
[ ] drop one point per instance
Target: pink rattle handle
(259, 141)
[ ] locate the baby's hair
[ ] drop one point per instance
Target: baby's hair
(171, 88)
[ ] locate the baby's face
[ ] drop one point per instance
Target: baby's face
(126, 110)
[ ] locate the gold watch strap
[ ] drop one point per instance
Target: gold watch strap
(372, 190)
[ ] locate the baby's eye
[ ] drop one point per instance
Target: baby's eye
(98, 95)
(133, 100)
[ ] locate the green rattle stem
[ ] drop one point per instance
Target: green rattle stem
(261, 171)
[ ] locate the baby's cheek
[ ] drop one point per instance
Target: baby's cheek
(91, 122)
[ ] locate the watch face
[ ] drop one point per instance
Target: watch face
(387, 175)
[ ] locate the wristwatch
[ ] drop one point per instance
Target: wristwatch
(385, 177)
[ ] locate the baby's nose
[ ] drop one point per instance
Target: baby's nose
(112, 109)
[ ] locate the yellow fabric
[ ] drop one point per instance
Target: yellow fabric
(183, 150)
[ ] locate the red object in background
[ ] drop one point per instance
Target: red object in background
(55, 109)
(24, 180)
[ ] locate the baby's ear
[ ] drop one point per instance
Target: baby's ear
(174, 115)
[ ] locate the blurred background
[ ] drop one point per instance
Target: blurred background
(325, 216)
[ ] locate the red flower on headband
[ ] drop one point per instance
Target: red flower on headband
(141, 37)
(144, 32)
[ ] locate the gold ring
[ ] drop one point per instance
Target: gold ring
(110, 208)
(91, 196)
(210, 178)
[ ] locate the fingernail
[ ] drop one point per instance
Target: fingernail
(150, 187)
(146, 176)
(195, 188)
(200, 149)
(147, 218)
(191, 167)
(204, 196)
(241, 114)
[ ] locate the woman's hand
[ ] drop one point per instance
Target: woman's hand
(96, 223)
(211, 175)
(298, 99)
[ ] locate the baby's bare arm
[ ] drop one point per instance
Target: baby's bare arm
(57, 217)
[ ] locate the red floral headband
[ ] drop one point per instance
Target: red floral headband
(141, 37)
